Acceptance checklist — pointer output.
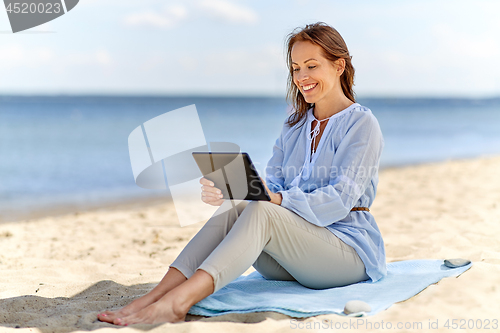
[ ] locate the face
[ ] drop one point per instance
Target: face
(316, 77)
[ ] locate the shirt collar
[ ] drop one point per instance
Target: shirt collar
(311, 117)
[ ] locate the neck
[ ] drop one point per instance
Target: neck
(330, 105)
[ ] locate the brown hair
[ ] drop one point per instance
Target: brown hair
(334, 48)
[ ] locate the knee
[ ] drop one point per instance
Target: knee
(258, 210)
(258, 206)
(263, 212)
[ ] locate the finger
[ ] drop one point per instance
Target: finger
(215, 202)
(211, 195)
(218, 202)
(212, 201)
(210, 189)
(206, 182)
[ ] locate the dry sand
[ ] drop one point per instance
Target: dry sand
(58, 272)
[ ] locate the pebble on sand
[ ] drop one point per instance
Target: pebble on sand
(454, 263)
(356, 306)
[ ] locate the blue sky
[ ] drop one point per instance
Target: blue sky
(235, 47)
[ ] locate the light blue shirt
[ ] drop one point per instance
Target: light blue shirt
(342, 174)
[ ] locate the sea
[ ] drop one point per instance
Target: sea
(72, 151)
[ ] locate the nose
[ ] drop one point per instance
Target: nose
(302, 76)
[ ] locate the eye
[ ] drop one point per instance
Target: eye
(311, 67)
(294, 69)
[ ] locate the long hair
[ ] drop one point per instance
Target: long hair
(334, 48)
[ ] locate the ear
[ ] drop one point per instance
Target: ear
(340, 66)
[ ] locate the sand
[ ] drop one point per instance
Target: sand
(58, 272)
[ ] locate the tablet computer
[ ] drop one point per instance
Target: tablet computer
(233, 173)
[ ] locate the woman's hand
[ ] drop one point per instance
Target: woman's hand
(209, 193)
(276, 198)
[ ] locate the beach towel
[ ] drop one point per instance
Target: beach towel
(254, 293)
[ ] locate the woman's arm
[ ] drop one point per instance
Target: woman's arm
(274, 174)
(275, 180)
(355, 164)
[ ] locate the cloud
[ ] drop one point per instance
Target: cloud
(166, 18)
(229, 11)
(170, 16)
(103, 57)
(460, 44)
(265, 61)
(98, 58)
(15, 55)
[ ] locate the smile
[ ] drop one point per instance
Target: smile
(309, 87)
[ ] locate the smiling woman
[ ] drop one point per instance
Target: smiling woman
(322, 177)
(317, 52)
(329, 130)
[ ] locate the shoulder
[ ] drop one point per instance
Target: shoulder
(361, 113)
(360, 125)
(360, 117)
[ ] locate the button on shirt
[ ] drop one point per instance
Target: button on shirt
(340, 175)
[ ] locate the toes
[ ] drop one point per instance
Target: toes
(106, 313)
(106, 316)
(120, 322)
(103, 317)
(125, 321)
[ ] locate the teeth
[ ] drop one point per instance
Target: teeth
(309, 86)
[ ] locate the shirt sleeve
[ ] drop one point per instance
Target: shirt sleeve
(355, 163)
(275, 180)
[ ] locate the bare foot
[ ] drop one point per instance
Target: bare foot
(162, 311)
(174, 305)
(172, 279)
(133, 307)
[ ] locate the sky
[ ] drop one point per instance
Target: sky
(448, 48)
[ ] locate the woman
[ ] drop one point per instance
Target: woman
(322, 178)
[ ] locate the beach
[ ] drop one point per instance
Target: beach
(59, 271)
